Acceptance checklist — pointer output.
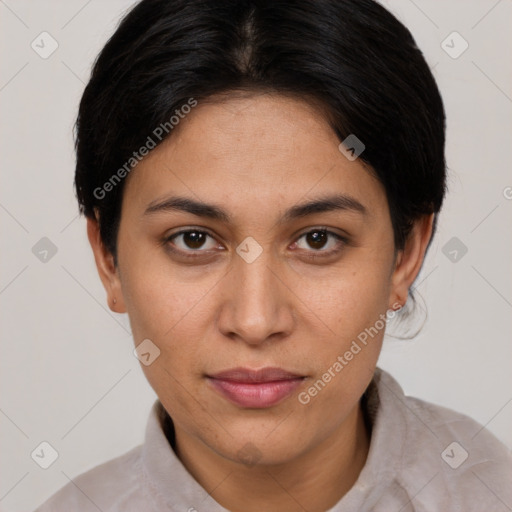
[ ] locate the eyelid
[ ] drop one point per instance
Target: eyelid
(327, 229)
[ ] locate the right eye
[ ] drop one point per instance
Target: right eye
(189, 241)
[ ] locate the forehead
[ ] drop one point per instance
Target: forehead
(255, 152)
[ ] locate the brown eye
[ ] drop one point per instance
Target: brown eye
(319, 239)
(192, 240)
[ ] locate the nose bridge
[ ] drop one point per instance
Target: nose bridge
(256, 301)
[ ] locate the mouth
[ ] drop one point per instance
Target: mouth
(255, 389)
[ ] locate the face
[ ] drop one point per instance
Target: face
(266, 282)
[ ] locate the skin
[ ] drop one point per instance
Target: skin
(257, 156)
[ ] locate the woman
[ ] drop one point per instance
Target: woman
(261, 181)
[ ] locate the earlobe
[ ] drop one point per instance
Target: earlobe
(106, 267)
(410, 260)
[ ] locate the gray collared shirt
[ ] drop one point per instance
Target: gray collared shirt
(422, 457)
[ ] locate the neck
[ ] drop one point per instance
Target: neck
(315, 480)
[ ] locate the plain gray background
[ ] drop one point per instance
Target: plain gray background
(68, 373)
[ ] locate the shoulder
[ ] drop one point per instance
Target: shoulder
(449, 460)
(107, 487)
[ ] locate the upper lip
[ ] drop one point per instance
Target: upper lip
(268, 374)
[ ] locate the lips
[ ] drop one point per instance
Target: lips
(269, 374)
(258, 389)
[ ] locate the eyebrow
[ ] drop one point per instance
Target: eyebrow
(320, 205)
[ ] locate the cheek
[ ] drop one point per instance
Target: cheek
(352, 303)
(346, 357)
(348, 298)
(361, 305)
(172, 313)
(166, 311)
(158, 302)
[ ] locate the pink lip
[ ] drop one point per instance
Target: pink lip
(255, 388)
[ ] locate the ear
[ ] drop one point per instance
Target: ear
(107, 269)
(409, 260)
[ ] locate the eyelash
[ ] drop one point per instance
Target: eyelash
(342, 241)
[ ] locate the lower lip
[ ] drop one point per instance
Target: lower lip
(255, 395)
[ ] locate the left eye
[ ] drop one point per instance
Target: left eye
(318, 239)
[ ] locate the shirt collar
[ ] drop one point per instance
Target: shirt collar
(382, 401)
(170, 485)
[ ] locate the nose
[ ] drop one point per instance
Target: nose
(256, 303)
